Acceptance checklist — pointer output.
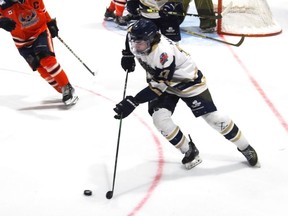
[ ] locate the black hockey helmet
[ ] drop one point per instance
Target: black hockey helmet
(143, 30)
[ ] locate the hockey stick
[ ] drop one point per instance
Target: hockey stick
(184, 14)
(62, 41)
(215, 39)
(109, 194)
(196, 15)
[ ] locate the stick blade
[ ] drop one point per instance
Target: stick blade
(241, 41)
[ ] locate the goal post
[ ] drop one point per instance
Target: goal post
(252, 18)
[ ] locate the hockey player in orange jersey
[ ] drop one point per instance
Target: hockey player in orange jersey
(32, 30)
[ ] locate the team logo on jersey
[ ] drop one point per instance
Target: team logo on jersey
(163, 58)
(170, 30)
(28, 18)
(195, 104)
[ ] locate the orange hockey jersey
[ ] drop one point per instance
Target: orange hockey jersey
(31, 20)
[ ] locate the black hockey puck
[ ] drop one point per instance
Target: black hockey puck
(109, 194)
(87, 192)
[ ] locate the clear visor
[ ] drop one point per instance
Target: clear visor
(139, 47)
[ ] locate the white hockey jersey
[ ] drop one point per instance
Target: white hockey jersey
(154, 5)
(169, 68)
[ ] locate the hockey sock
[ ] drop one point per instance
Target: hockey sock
(54, 69)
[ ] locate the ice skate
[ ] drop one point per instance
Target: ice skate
(208, 30)
(251, 156)
(207, 26)
(191, 158)
(129, 17)
(121, 21)
(109, 16)
(69, 97)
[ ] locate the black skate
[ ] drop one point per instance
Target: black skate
(69, 97)
(207, 26)
(191, 158)
(109, 16)
(208, 30)
(251, 156)
(120, 20)
(130, 17)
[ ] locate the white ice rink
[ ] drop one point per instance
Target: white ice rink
(49, 155)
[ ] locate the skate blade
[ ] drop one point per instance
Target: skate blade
(257, 165)
(209, 30)
(197, 160)
(110, 19)
(72, 101)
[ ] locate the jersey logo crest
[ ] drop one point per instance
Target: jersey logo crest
(28, 18)
(163, 58)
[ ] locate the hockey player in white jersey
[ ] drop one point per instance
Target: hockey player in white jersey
(173, 75)
(159, 11)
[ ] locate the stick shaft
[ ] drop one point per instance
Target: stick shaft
(215, 39)
(63, 42)
(118, 139)
(184, 14)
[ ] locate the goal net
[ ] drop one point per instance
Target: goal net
(245, 17)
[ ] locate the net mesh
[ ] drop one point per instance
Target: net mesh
(245, 17)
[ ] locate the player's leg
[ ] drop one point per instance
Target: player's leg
(109, 14)
(161, 111)
(170, 24)
(119, 9)
(203, 105)
(225, 126)
(205, 8)
(40, 56)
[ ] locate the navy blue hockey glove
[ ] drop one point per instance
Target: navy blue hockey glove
(125, 107)
(20, 1)
(167, 7)
(128, 61)
(7, 24)
(53, 28)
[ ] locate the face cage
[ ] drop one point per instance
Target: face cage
(139, 47)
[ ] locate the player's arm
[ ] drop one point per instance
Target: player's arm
(129, 103)
(51, 23)
(157, 85)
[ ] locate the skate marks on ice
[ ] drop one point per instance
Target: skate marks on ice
(49, 104)
(110, 25)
